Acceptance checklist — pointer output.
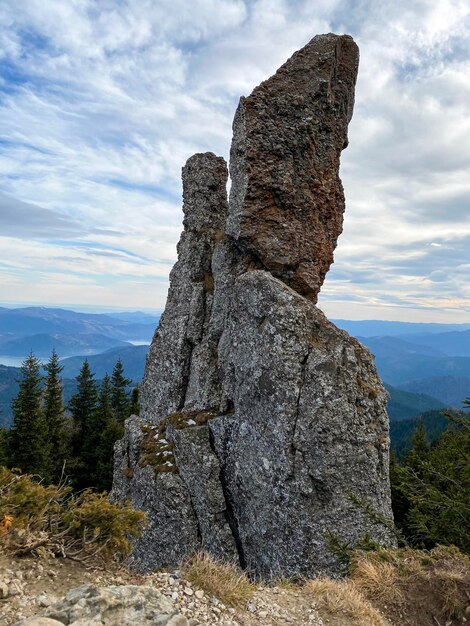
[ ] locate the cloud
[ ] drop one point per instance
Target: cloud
(102, 103)
(21, 219)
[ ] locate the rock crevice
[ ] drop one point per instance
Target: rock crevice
(270, 416)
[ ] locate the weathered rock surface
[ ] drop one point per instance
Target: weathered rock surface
(191, 286)
(259, 417)
(287, 201)
(88, 605)
(162, 495)
(310, 428)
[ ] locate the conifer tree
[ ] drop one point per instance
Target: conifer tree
(420, 447)
(4, 448)
(29, 448)
(119, 395)
(83, 409)
(431, 489)
(54, 415)
(111, 431)
(134, 408)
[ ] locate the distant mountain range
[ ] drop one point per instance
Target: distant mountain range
(425, 367)
(42, 344)
(450, 390)
(132, 357)
(39, 329)
(404, 404)
(381, 328)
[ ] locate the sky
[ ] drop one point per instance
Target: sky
(102, 102)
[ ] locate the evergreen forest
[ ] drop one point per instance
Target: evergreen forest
(74, 442)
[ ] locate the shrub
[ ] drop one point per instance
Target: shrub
(92, 518)
(52, 519)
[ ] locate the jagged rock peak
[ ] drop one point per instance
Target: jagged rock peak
(189, 300)
(287, 201)
(259, 418)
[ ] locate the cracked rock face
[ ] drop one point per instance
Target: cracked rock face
(287, 201)
(261, 421)
(191, 287)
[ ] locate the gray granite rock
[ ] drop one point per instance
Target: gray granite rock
(260, 419)
(126, 605)
(200, 469)
(191, 286)
(172, 532)
(310, 428)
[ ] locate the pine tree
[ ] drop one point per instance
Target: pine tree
(54, 416)
(431, 489)
(134, 408)
(419, 448)
(119, 395)
(111, 431)
(4, 447)
(83, 409)
(29, 448)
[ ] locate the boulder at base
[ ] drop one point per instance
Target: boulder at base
(88, 605)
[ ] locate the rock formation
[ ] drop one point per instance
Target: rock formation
(89, 605)
(262, 424)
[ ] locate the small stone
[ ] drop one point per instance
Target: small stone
(177, 620)
(43, 600)
(39, 621)
(3, 590)
(188, 591)
(199, 594)
(14, 589)
(263, 614)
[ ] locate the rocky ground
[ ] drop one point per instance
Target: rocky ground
(29, 586)
(37, 586)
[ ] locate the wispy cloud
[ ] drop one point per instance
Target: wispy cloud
(21, 219)
(102, 103)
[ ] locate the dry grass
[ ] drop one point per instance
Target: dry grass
(379, 581)
(342, 597)
(401, 578)
(288, 584)
(222, 580)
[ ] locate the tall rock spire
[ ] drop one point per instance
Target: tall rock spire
(287, 201)
(259, 417)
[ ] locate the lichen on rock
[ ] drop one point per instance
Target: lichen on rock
(273, 417)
